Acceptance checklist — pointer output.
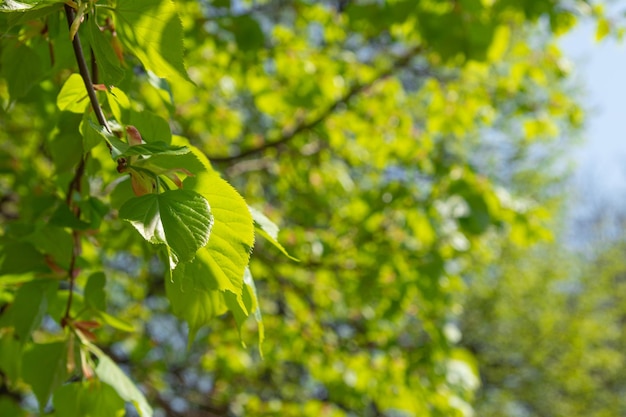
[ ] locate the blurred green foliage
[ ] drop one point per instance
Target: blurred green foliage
(395, 143)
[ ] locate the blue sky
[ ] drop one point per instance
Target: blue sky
(600, 69)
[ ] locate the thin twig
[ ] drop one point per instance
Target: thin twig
(75, 184)
(84, 71)
(289, 133)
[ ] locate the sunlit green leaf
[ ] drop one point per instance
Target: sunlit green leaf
(180, 219)
(268, 229)
(73, 95)
(151, 29)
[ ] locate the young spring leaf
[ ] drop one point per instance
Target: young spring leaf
(268, 229)
(180, 219)
(192, 301)
(251, 303)
(73, 95)
(152, 31)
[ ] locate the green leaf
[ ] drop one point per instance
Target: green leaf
(180, 219)
(153, 127)
(116, 322)
(111, 374)
(44, 369)
(227, 254)
(20, 78)
(10, 357)
(54, 241)
(117, 146)
(20, 257)
(95, 295)
(73, 95)
(155, 148)
(109, 65)
(251, 303)
(152, 30)
(9, 6)
(268, 229)
(192, 301)
(9, 408)
(88, 398)
(28, 308)
(63, 217)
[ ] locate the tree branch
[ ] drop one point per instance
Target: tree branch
(289, 133)
(84, 71)
(75, 184)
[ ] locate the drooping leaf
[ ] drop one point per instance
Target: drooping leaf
(111, 70)
(152, 30)
(251, 303)
(263, 226)
(88, 398)
(111, 374)
(44, 369)
(192, 301)
(180, 219)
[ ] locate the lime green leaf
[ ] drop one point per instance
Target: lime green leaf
(180, 219)
(118, 102)
(192, 301)
(155, 148)
(251, 303)
(116, 322)
(73, 95)
(44, 369)
(108, 63)
(268, 229)
(111, 374)
(152, 30)
(228, 252)
(88, 398)
(95, 295)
